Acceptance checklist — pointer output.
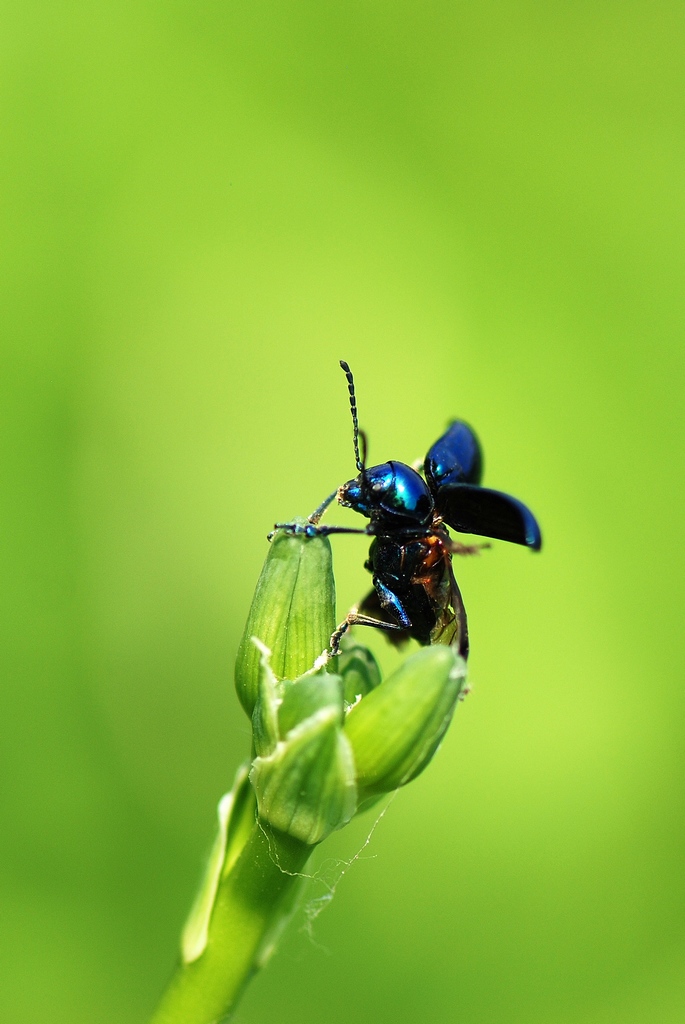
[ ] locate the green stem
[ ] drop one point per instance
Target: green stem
(251, 901)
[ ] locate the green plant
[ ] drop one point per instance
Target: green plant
(329, 739)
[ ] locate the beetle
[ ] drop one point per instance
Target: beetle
(415, 593)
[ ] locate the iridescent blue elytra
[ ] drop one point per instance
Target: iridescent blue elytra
(456, 458)
(393, 489)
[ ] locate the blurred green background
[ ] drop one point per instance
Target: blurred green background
(479, 205)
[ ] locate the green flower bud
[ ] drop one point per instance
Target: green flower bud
(303, 775)
(359, 670)
(306, 787)
(282, 704)
(312, 692)
(395, 730)
(292, 613)
(265, 715)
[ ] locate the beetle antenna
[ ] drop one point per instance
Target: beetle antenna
(364, 445)
(353, 408)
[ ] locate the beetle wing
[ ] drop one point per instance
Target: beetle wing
(451, 626)
(471, 509)
(455, 458)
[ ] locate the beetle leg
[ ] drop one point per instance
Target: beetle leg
(353, 618)
(455, 548)
(326, 530)
(392, 604)
(314, 530)
(320, 509)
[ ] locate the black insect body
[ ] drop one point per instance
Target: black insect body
(414, 591)
(414, 587)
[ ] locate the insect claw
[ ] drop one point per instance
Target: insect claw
(340, 631)
(298, 528)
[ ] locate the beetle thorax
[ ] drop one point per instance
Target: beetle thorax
(392, 494)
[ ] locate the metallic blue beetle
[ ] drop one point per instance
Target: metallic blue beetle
(392, 491)
(414, 591)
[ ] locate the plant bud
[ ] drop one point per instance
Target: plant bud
(395, 730)
(312, 692)
(359, 670)
(265, 715)
(306, 787)
(292, 612)
(303, 775)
